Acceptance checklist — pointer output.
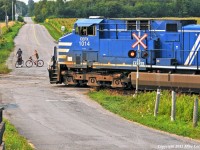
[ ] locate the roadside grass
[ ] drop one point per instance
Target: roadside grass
(141, 109)
(13, 140)
(7, 45)
(54, 33)
(54, 26)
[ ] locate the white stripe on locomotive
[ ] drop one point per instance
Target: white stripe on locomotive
(193, 52)
(65, 43)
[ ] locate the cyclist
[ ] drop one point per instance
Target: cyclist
(36, 56)
(19, 56)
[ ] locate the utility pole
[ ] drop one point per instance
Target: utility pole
(6, 17)
(0, 31)
(15, 12)
(12, 10)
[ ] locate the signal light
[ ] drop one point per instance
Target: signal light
(132, 54)
(144, 54)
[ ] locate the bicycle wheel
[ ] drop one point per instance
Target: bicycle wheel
(29, 63)
(40, 63)
(18, 64)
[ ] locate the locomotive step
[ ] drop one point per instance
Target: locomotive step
(53, 82)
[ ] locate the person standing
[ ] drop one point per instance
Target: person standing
(19, 56)
(36, 55)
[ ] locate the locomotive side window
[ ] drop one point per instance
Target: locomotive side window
(171, 28)
(76, 30)
(144, 25)
(82, 30)
(87, 30)
(91, 30)
(137, 25)
(131, 25)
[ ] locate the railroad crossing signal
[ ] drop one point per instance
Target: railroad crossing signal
(132, 54)
(139, 40)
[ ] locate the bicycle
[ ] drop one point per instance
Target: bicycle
(19, 63)
(29, 63)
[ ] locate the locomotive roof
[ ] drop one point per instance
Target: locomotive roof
(192, 27)
(178, 19)
(87, 22)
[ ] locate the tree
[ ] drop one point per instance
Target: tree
(59, 9)
(114, 8)
(22, 8)
(41, 11)
(5, 8)
(30, 7)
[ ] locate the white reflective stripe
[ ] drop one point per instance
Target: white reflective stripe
(63, 50)
(62, 56)
(193, 31)
(192, 52)
(65, 43)
(66, 35)
(194, 55)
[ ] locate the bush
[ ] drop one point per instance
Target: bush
(20, 19)
(2, 41)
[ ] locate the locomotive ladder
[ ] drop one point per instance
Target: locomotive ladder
(54, 74)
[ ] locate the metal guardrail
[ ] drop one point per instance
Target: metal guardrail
(2, 129)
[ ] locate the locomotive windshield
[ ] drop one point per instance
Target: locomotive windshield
(86, 27)
(86, 30)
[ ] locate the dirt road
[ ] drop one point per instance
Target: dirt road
(64, 118)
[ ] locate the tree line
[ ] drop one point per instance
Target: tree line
(115, 8)
(12, 7)
(107, 8)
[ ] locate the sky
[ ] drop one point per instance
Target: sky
(26, 1)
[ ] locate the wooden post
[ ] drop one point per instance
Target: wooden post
(195, 113)
(173, 110)
(157, 103)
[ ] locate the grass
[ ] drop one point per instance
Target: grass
(54, 33)
(13, 140)
(7, 45)
(141, 108)
(54, 26)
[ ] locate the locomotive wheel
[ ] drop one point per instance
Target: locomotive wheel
(117, 82)
(92, 80)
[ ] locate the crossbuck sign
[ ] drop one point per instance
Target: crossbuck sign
(139, 40)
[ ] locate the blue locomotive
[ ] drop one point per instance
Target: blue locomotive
(107, 52)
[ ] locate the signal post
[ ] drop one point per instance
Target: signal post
(138, 43)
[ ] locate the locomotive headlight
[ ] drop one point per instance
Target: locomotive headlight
(132, 54)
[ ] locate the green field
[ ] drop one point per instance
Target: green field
(141, 109)
(7, 45)
(54, 26)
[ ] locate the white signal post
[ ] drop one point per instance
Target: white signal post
(138, 43)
